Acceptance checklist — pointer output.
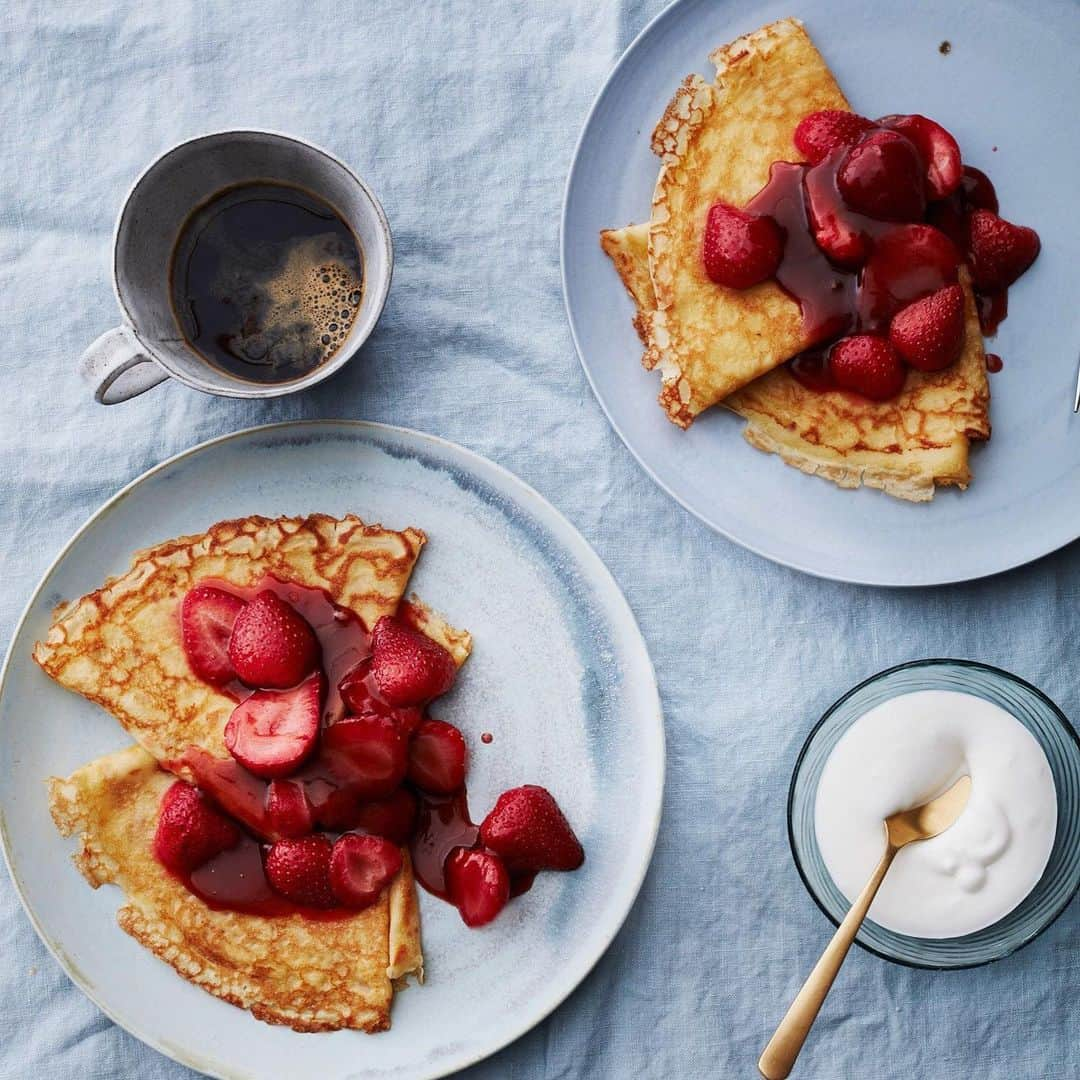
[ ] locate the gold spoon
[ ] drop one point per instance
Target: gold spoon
(901, 829)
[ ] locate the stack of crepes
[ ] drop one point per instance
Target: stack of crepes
(120, 646)
(717, 141)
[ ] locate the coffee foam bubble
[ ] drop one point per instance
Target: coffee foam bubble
(315, 296)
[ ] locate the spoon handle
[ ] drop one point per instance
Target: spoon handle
(779, 1056)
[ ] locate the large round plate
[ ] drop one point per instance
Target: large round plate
(560, 676)
(1009, 63)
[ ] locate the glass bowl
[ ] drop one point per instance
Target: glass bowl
(1060, 880)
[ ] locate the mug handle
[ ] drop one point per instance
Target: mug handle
(118, 367)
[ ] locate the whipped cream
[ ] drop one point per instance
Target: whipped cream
(901, 754)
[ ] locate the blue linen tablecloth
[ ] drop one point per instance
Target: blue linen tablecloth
(463, 117)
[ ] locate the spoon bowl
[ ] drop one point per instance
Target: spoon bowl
(926, 821)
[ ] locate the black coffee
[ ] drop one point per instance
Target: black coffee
(266, 281)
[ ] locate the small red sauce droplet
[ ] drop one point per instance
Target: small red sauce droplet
(486, 737)
(994, 362)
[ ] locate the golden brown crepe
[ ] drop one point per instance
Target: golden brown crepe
(718, 141)
(312, 975)
(120, 646)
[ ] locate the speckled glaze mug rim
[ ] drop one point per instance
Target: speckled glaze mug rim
(928, 663)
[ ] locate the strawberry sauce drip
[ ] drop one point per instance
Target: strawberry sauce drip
(834, 300)
(442, 824)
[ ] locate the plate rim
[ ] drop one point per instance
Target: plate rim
(907, 665)
(760, 549)
(655, 709)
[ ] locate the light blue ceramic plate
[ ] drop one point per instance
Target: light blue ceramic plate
(560, 676)
(1060, 880)
(1008, 91)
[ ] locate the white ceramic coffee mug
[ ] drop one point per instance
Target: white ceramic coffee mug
(149, 347)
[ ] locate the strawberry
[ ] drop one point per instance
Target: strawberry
(478, 884)
(908, 263)
(867, 365)
(977, 190)
(369, 753)
(408, 668)
(950, 215)
(392, 817)
(937, 148)
(207, 616)
(929, 333)
(740, 248)
(882, 177)
(273, 731)
(842, 240)
(360, 697)
(272, 646)
(530, 832)
(1000, 251)
(361, 867)
(820, 133)
(288, 808)
(299, 869)
(230, 786)
(190, 831)
(437, 758)
(335, 808)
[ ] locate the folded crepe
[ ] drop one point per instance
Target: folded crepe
(714, 344)
(120, 646)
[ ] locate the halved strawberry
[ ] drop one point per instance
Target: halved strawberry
(392, 817)
(822, 132)
(740, 248)
(950, 215)
(529, 831)
(299, 869)
(368, 752)
(834, 231)
(189, 830)
(882, 177)
(929, 334)
(273, 731)
(288, 808)
(938, 149)
(1000, 250)
(272, 645)
(408, 668)
(977, 190)
(478, 883)
(240, 794)
(867, 365)
(437, 758)
(361, 867)
(334, 808)
(360, 696)
(207, 616)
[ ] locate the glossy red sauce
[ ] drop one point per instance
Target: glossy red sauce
(235, 879)
(836, 300)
